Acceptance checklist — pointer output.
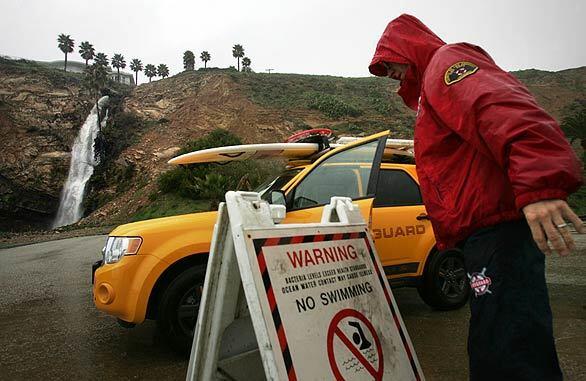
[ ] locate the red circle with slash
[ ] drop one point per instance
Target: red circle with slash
(335, 331)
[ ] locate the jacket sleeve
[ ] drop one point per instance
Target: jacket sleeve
(491, 110)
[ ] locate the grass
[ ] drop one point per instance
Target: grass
(569, 79)
(169, 204)
(369, 95)
(58, 78)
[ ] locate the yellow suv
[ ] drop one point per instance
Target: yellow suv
(155, 269)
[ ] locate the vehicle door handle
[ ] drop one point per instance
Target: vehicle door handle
(422, 216)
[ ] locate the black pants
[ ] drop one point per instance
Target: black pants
(511, 334)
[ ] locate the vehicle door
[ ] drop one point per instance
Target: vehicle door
(400, 227)
(350, 173)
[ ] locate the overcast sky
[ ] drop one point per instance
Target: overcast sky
(312, 37)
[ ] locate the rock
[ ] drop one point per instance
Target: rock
(168, 153)
(56, 155)
(23, 95)
(163, 103)
(59, 94)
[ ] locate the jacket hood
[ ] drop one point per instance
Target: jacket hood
(406, 40)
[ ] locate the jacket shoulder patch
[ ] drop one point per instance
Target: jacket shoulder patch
(459, 71)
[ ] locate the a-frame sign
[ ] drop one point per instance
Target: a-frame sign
(297, 301)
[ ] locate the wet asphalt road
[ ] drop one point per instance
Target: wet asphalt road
(49, 328)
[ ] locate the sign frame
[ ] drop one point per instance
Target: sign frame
(245, 227)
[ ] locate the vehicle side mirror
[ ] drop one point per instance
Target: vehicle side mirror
(278, 197)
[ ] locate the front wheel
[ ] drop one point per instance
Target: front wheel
(445, 284)
(178, 309)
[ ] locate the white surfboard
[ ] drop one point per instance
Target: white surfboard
(247, 151)
(290, 151)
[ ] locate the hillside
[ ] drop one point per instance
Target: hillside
(157, 119)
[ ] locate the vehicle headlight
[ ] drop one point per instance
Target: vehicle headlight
(117, 247)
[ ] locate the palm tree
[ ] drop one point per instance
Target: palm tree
(101, 59)
(87, 51)
(162, 71)
(188, 60)
(246, 64)
(66, 46)
(150, 71)
(95, 80)
(136, 66)
(238, 52)
(205, 57)
(118, 63)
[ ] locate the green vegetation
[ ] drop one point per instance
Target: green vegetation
(211, 181)
(166, 205)
(238, 52)
(188, 60)
(205, 57)
(574, 123)
(65, 43)
(577, 201)
(162, 71)
(56, 78)
(136, 66)
(101, 59)
(401, 127)
(118, 63)
(285, 91)
(331, 105)
(570, 79)
(574, 126)
(246, 65)
(150, 71)
(95, 81)
(122, 130)
(86, 51)
(360, 105)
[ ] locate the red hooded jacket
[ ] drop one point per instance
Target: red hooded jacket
(484, 149)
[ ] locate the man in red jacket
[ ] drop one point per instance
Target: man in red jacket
(495, 170)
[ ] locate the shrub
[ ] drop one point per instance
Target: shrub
(212, 181)
(577, 201)
(216, 138)
(331, 106)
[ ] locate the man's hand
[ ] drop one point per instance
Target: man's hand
(547, 220)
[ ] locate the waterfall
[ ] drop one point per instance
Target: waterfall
(81, 169)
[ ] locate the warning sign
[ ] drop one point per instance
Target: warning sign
(331, 308)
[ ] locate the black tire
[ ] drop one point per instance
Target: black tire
(445, 283)
(178, 307)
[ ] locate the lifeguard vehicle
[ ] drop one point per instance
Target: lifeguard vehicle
(155, 269)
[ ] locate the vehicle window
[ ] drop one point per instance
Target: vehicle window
(396, 188)
(344, 174)
(276, 182)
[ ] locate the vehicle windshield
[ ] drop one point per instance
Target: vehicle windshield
(276, 182)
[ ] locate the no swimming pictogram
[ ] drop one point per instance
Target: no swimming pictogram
(354, 349)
